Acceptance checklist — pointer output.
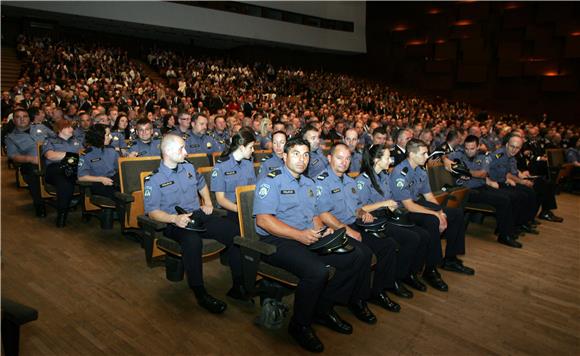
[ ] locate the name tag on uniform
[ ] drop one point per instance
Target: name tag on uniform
(230, 173)
(335, 190)
(287, 191)
(195, 145)
(95, 159)
(166, 184)
(314, 162)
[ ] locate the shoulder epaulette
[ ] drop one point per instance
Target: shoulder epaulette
(156, 138)
(404, 171)
(498, 155)
(267, 157)
(275, 173)
(151, 175)
(322, 176)
(222, 159)
(87, 150)
(365, 175)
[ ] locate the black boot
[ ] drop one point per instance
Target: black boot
(40, 210)
(61, 219)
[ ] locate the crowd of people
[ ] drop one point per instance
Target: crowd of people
(345, 152)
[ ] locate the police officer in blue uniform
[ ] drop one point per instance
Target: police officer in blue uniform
(53, 151)
(200, 141)
(176, 183)
(21, 148)
(411, 189)
(351, 140)
(85, 123)
(99, 163)
(287, 217)
(484, 190)
(183, 127)
(220, 132)
(273, 160)
(318, 161)
(234, 168)
(340, 206)
(145, 145)
(503, 170)
(374, 190)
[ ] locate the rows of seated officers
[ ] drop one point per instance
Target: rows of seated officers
(383, 217)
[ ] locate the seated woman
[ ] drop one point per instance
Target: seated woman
(120, 133)
(234, 168)
(99, 162)
(375, 193)
(273, 160)
(265, 139)
(54, 151)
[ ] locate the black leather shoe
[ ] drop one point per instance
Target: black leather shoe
(384, 301)
(529, 230)
(40, 210)
(334, 322)
(431, 276)
(400, 290)
(455, 265)
(211, 304)
(414, 282)
(61, 220)
(508, 241)
(239, 293)
(305, 337)
(549, 216)
(361, 310)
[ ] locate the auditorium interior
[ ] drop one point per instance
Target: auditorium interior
(107, 280)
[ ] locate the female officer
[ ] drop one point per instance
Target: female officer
(120, 133)
(273, 160)
(234, 168)
(375, 193)
(99, 162)
(53, 152)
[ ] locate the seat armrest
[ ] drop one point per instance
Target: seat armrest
(255, 245)
(147, 223)
(124, 198)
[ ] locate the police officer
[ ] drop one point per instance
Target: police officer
(145, 145)
(220, 132)
(287, 217)
(53, 151)
(176, 183)
(484, 190)
(85, 123)
(21, 148)
(273, 160)
(503, 170)
(318, 161)
(234, 168)
(374, 190)
(411, 189)
(340, 206)
(99, 163)
(398, 151)
(351, 140)
(200, 141)
(119, 133)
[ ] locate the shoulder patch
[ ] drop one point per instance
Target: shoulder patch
(400, 183)
(322, 176)
(214, 173)
(263, 190)
(267, 157)
(275, 173)
(360, 184)
(221, 159)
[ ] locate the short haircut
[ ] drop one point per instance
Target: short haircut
(380, 130)
(196, 116)
(472, 138)
(143, 122)
(295, 141)
(309, 127)
(338, 144)
(452, 135)
(414, 145)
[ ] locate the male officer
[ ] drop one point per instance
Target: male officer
(351, 140)
(485, 190)
(503, 169)
(85, 124)
(318, 162)
(340, 206)
(220, 132)
(176, 183)
(200, 141)
(145, 145)
(21, 148)
(411, 189)
(287, 217)
(451, 143)
(398, 152)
